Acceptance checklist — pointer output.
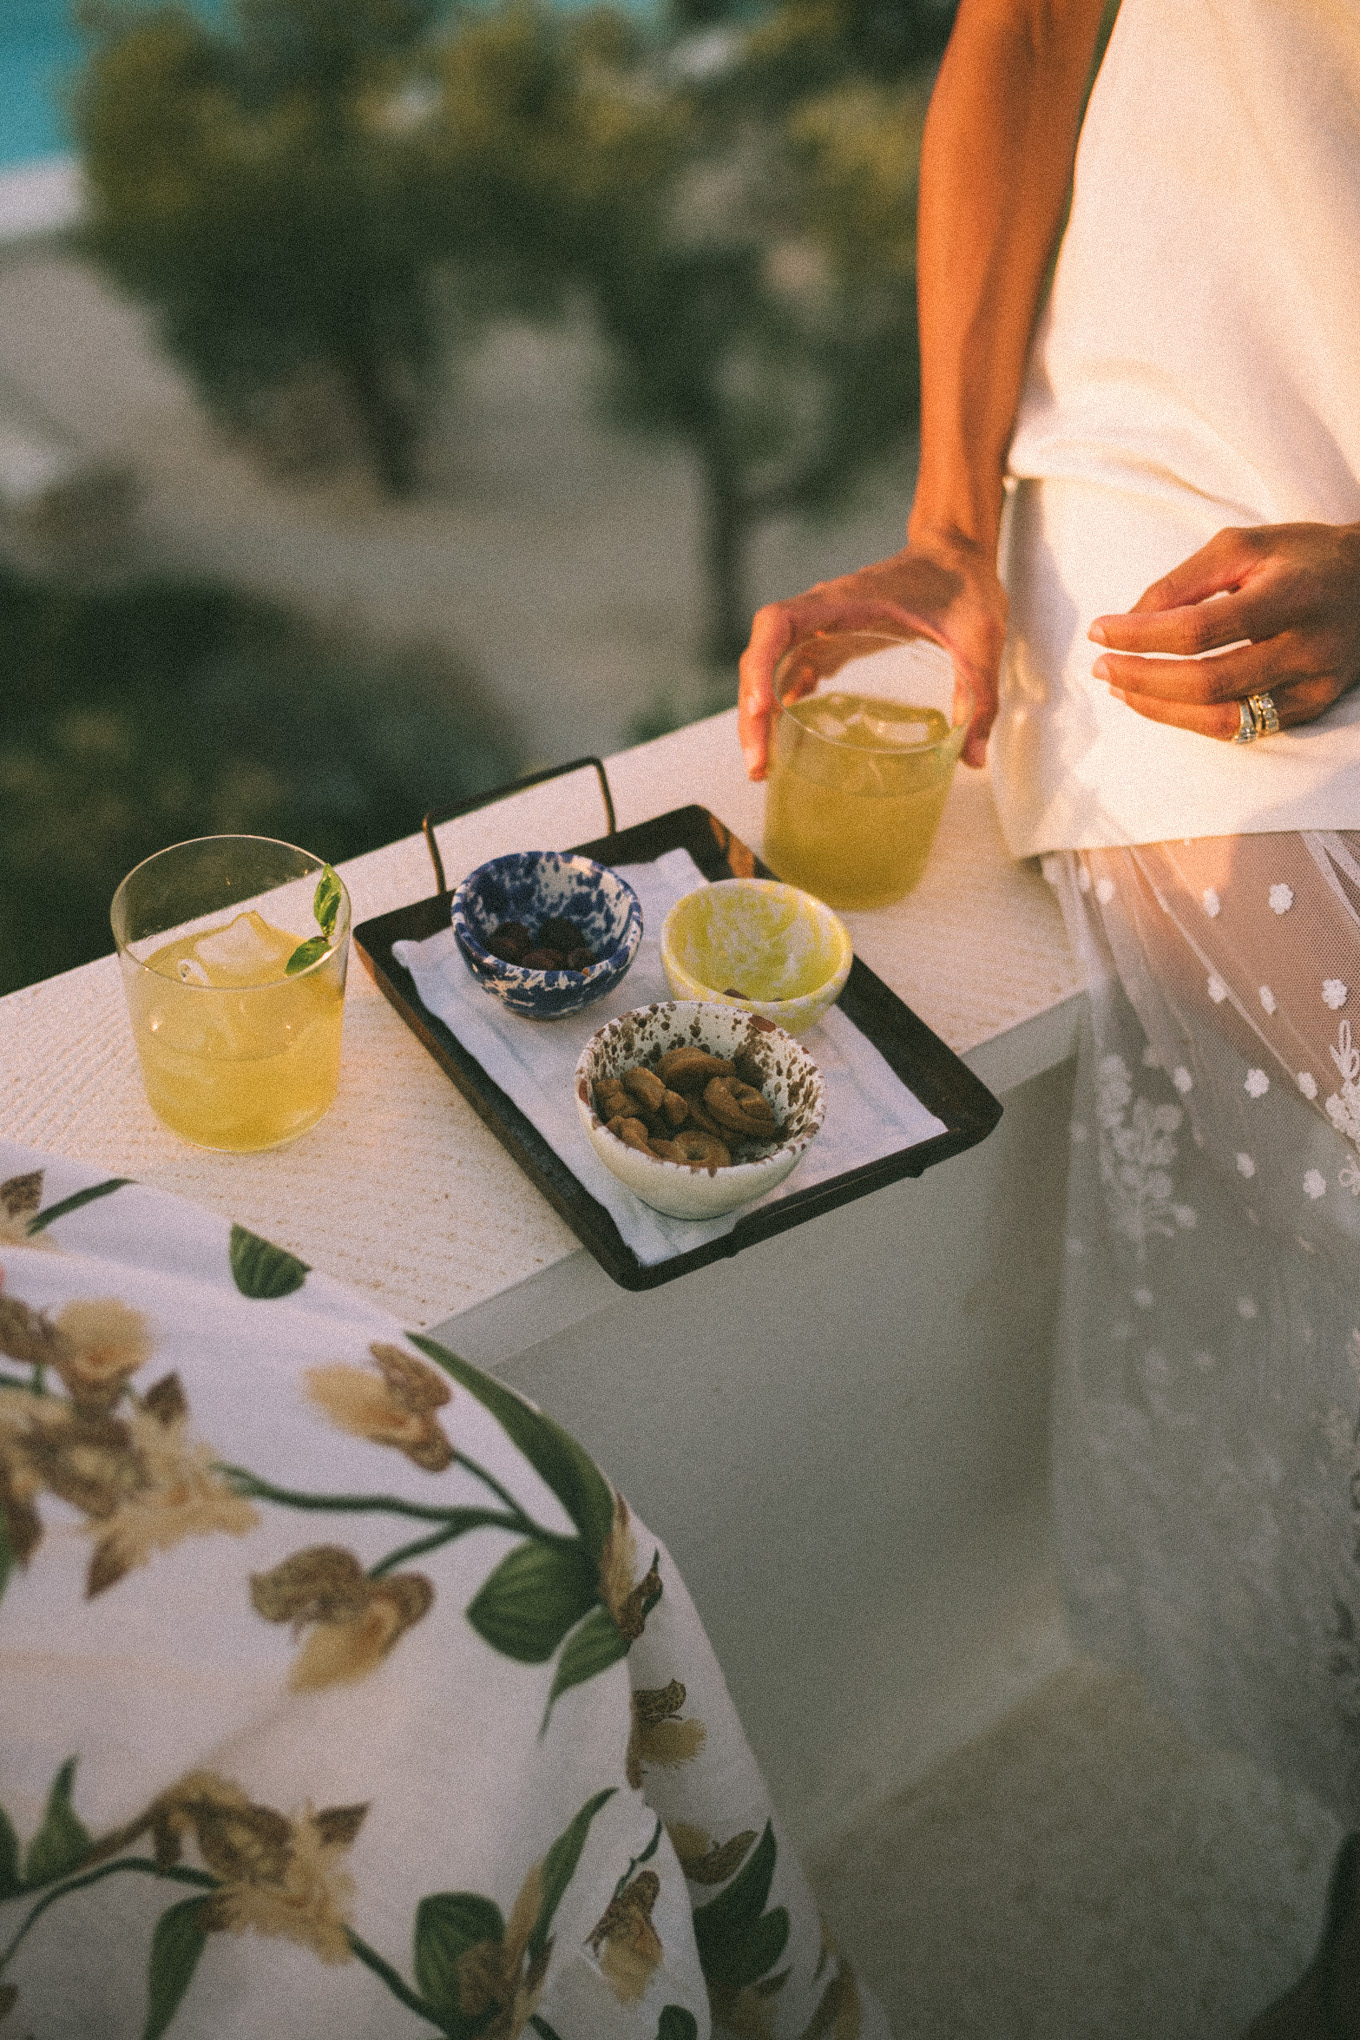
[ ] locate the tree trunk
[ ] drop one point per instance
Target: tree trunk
(727, 524)
(389, 419)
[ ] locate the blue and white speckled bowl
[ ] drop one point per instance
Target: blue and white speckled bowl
(530, 886)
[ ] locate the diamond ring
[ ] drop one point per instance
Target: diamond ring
(1264, 714)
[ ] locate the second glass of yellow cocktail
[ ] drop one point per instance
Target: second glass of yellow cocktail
(233, 951)
(866, 734)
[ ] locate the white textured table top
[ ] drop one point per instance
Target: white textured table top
(401, 1191)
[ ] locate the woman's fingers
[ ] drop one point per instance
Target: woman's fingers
(1229, 676)
(1205, 602)
(1184, 632)
(1272, 609)
(1301, 701)
(949, 594)
(772, 632)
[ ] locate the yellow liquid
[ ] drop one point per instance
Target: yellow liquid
(855, 797)
(235, 1054)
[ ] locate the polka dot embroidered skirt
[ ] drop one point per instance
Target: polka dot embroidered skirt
(1207, 1438)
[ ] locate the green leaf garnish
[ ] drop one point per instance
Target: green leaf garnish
(325, 906)
(306, 954)
(326, 903)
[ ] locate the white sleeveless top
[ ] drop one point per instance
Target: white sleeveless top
(1198, 365)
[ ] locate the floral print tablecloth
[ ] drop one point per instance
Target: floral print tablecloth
(340, 1693)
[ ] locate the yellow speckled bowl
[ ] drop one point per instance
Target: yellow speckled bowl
(759, 946)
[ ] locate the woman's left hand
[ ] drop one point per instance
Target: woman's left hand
(1291, 590)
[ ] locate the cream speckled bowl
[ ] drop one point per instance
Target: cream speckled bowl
(793, 1084)
(781, 950)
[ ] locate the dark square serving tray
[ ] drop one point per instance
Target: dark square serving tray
(940, 1080)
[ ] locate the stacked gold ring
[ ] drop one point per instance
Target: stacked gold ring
(1257, 716)
(1264, 714)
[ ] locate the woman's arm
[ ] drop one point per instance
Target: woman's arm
(996, 164)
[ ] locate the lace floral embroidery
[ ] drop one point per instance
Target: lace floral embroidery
(1137, 1152)
(1343, 1106)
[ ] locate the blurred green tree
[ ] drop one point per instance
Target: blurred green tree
(261, 189)
(758, 289)
(329, 192)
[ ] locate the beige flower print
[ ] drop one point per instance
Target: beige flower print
(705, 1861)
(281, 1873)
(95, 1345)
(140, 1482)
(102, 1345)
(500, 1976)
(394, 1407)
(355, 1621)
(657, 1737)
(20, 1198)
(625, 1943)
(618, 1563)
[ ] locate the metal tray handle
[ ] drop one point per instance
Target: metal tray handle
(435, 819)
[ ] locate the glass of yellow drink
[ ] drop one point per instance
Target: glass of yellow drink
(233, 951)
(867, 732)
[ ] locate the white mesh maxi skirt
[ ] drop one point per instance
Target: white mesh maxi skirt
(1208, 1424)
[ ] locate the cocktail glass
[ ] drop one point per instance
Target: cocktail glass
(233, 951)
(867, 732)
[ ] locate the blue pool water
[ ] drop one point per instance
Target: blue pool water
(39, 52)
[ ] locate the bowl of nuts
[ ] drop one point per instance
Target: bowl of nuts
(698, 1108)
(544, 932)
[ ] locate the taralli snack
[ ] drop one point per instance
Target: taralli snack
(693, 1108)
(689, 1069)
(646, 1086)
(696, 1150)
(611, 1100)
(739, 1106)
(632, 1133)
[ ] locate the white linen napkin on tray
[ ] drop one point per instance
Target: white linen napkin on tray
(869, 1110)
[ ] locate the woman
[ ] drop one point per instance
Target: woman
(1175, 446)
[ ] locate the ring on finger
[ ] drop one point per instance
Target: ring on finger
(1264, 714)
(1247, 730)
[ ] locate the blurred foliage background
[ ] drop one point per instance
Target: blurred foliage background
(326, 205)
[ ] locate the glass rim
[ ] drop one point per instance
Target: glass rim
(319, 864)
(883, 638)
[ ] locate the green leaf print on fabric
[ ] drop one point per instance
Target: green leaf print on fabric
(448, 1924)
(535, 1595)
(64, 1205)
(176, 1945)
(591, 1649)
(479, 1973)
(10, 1880)
(261, 1270)
(738, 1940)
(558, 1460)
(677, 2024)
(559, 1867)
(62, 1840)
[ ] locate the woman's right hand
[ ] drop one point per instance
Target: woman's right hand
(942, 586)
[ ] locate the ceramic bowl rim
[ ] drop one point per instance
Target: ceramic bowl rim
(765, 1006)
(516, 973)
(736, 1172)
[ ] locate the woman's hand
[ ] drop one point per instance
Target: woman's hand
(1291, 590)
(943, 586)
